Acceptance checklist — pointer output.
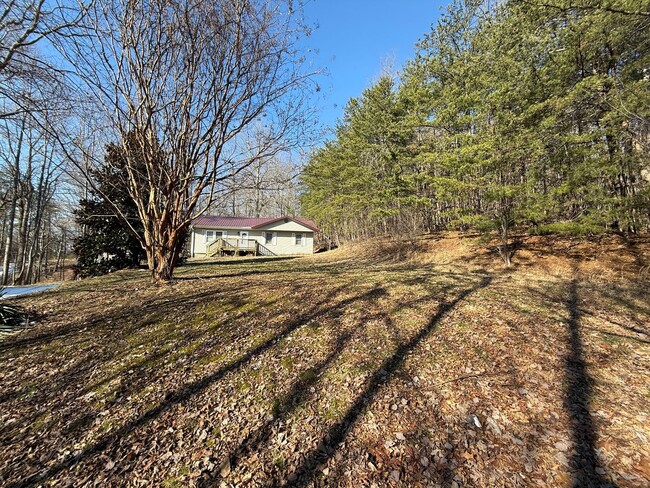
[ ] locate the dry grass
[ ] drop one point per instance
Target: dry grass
(376, 364)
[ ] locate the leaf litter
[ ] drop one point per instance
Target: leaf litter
(357, 367)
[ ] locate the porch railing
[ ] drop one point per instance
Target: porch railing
(235, 245)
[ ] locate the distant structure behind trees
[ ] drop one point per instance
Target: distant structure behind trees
(202, 95)
(201, 90)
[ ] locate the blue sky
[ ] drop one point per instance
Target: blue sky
(355, 38)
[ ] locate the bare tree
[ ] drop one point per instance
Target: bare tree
(32, 169)
(12, 158)
(182, 82)
(266, 188)
(24, 24)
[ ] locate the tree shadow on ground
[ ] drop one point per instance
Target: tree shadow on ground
(189, 389)
(600, 295)
(234, 261)
(588, 471)
(619, 336)
(298, 394)
(633, 246)
(124, 315)
(304, 474)
(114, 332)
(225, 275)
(111, 338)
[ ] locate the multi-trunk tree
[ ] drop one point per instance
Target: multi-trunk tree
(189, 82)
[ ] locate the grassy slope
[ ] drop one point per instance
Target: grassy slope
(362, 366)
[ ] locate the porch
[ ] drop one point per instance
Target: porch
(237, 247)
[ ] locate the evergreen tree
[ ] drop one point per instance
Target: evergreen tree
(511, 117)
(107, 244)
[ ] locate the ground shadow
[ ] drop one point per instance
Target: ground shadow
(239, 274)
(611, 297)
(45, 334)
(299, 393)
(236, 261)
(118, 327)
(578, 391)
(308, 469)
(188, 390)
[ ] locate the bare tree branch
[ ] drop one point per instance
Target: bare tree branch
(188, 81)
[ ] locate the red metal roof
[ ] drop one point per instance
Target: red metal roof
(247, 222)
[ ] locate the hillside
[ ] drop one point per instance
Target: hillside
(383, 363)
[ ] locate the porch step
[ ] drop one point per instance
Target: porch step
(225, 246)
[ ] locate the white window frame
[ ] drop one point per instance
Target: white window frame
(209, 235)
(302, 239)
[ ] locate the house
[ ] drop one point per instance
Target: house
(211, 236)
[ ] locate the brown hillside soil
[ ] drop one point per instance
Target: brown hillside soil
(421, 363)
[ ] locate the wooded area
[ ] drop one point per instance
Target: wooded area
(35, 228)
(518, 114)
(34, 210)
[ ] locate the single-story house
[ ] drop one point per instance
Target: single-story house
(269, 236)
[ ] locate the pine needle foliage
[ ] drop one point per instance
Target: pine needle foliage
(511, 116)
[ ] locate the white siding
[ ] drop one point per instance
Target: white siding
(289, 226)
(284, 239)
(198, 243)
(286, 243)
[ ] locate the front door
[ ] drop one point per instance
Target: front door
(243, 236)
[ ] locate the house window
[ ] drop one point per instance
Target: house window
(268, 238)
(299, 238)
(211, 235)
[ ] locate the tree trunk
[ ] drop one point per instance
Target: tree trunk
(8, 243)
(163, 268)
(12, 210)
(163, 257)
(40, 236)
(27, 194)
(504, 250)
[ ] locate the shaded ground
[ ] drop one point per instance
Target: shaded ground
(361, 367)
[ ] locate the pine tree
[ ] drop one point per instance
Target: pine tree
(511, 117)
